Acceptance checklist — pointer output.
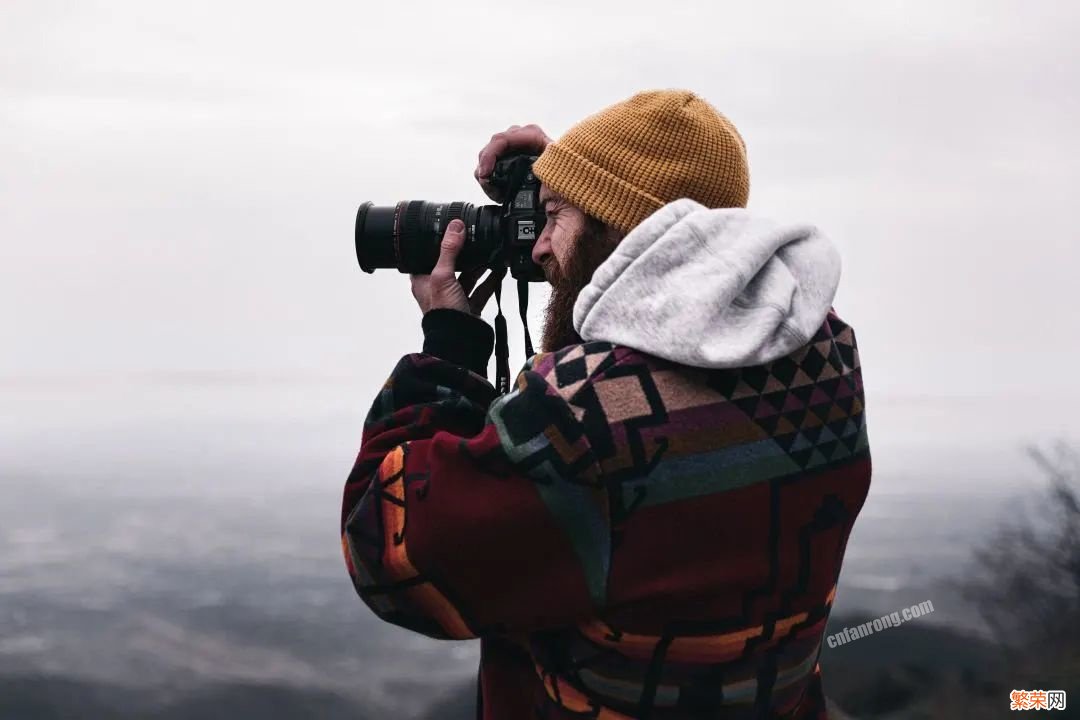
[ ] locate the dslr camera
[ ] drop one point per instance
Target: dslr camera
(408, 235)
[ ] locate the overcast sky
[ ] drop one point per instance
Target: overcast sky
(179, 180)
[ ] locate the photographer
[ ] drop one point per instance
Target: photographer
(651, 522)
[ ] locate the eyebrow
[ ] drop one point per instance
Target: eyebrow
(550, 198)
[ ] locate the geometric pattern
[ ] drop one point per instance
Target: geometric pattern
(667, 539)
(806, 408)
(808, 402)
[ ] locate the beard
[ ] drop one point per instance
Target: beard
(593, 245)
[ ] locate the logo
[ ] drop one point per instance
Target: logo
(1037, 700)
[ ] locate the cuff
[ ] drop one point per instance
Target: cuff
(458, 337)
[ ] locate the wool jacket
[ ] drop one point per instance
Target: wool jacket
(630, 536)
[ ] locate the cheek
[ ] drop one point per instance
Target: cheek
(565, 233)
(559, 247)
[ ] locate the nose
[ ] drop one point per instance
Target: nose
(541, 252)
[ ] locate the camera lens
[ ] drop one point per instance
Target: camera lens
(408, 236)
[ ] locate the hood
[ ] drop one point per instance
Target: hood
(711, 288)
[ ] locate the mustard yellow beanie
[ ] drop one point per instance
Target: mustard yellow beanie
(627, 161)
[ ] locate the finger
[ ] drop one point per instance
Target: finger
(469, 277)
(489, 190)
(498, 146)
(420, 291)
(452, 242)
(529, 138)
(485, 158)
(502, 142)
(511, 136)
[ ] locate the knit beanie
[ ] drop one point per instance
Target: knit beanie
(627, 161)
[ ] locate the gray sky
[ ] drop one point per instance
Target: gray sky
(179, 180)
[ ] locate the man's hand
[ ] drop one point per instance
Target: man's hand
(530, 139)
(443, 289)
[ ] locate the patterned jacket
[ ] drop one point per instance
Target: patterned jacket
(631, 538)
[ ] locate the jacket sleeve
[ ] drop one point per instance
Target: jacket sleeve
(467, 513)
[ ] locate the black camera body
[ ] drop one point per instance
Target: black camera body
(407, 236)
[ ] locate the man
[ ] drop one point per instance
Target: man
(651, 523)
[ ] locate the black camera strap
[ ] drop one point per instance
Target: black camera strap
(502, 345)
(523, 305)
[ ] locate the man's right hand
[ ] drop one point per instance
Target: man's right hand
(530, 139)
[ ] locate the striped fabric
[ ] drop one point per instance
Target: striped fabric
(629, 537)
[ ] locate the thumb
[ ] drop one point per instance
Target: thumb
(452, 242)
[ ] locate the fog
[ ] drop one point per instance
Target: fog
(179, 180)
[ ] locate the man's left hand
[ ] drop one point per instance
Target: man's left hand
(443, 289)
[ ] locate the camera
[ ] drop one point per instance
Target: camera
(407, 236)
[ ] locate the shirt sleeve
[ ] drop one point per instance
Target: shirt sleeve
(458, 337)
(467, 513)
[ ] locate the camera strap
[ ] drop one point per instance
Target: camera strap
(523, 305)
(502, 345)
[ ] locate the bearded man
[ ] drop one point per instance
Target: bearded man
(651, 523)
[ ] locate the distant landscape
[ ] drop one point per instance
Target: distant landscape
(186, 564)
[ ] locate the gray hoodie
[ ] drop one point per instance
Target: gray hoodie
(708, 288)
